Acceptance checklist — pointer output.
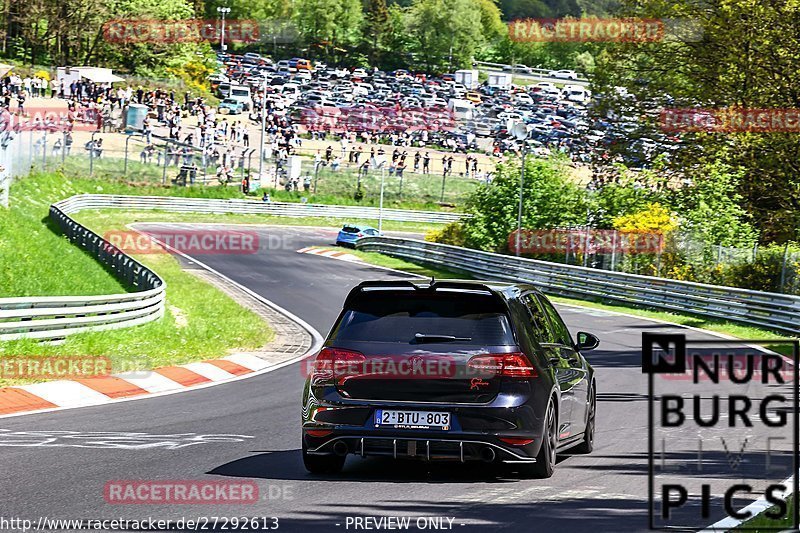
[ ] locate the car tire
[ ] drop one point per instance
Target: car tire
(546, 459)
(588, 435)
(322, 464)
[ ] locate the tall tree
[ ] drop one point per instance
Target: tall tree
(446, 32)
(377, 27)
(743, 53)
(330, 23)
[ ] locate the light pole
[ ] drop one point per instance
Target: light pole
(380, 208)
(222, 12)
(263, 127)
(520, 131)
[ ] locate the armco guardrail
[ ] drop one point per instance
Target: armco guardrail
(207, 205)
(57, 316)
(780, 312)
(538, 74)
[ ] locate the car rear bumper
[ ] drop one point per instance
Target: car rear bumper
(453, 448)
(475, 429)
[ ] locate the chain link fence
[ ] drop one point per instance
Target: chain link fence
(155, 159)
(773, 268)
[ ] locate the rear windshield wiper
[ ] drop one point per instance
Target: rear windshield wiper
(425, 337)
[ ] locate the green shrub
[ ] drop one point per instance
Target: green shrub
(452, 233)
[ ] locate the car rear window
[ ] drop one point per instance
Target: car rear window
(350, 229)
(397, 316)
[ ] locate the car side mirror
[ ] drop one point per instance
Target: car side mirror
(587, 341)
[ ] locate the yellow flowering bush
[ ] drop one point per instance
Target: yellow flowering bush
(654, 219)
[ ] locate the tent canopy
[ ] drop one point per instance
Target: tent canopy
(95, 74)
(100, 75)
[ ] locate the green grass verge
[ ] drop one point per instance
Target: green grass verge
(38, 260)
(201, 322)
(769, 524)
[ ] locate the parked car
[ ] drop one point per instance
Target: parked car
(564, 74)
(524, 69)
(473, 97)
(232, 106)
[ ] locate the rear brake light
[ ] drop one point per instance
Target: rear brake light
(318, 432)
(337, 364)
(360, 234)
(512, 365)
(516, 441)
(517, 365)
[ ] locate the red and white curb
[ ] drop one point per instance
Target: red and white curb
(99, 390)
(328, 252)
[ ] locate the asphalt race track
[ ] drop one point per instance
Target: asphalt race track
(50, 474)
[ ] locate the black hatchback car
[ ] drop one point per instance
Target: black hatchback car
(449, 370)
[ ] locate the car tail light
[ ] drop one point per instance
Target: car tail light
(511, 365)
(319, 432)
(336, 364)
(516, 441)
(360, 234)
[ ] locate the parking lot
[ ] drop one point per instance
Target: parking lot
(457, 112)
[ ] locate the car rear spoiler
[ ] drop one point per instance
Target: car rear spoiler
(432, 285)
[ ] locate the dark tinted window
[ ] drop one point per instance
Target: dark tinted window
(397, 316)
(350, 229)
(561, 331)
(541, 327)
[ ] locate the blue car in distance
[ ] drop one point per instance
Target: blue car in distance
(350, 233)
(234, 107)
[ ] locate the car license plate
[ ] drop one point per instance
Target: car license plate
(412, 419)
